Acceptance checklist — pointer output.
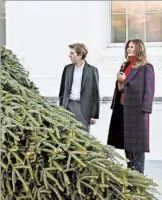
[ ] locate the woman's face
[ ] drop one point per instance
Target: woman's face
(131, 49)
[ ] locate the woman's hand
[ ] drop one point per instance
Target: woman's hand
(120, 86)
(121, 77)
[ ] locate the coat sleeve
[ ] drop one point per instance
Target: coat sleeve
(96, 95)
(149, 89)
(116, 92)
(62, 87)
(114, 96)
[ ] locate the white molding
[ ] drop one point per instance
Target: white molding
(121, 45)
(106, 25)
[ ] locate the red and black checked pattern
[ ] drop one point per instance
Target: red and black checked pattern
(138, 100)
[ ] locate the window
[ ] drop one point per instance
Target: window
(2, 24)
(136, 19)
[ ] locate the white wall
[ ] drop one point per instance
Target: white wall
(39, 33)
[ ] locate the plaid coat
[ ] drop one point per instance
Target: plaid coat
(138, 100)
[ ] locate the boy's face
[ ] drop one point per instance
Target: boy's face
(74, 57)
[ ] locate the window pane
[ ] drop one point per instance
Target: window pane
(154, 27)
(118, 7)
(136, 6)
(153, 6)
(136, 26)
(118, 30)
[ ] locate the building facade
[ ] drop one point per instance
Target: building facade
(39, 32)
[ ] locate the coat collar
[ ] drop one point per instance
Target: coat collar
(84, 75)
(132, 73)
(70, 75)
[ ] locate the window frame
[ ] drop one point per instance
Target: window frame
(109, 28)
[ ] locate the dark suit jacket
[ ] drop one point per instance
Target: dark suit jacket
(90, 99)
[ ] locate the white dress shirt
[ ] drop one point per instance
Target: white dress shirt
(77, 80)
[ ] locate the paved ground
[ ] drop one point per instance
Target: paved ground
(154, 171)
(154, 159)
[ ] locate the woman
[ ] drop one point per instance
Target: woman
(132, 104)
